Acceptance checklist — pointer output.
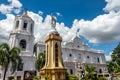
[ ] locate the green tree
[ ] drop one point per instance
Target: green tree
(40, 61)
(9, 56)
(67, 76)
(116, 58)
(90, 69)
(114, 65)
(73, 77)
(101, 78)
(36, 78)
(11, 78)
(110, 66)
(47, 76)
(91, 73)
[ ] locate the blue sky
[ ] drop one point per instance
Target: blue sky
(98, 20)
(70, 9)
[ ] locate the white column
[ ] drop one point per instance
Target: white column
(28, 27)
(20, 24)
(14, 25)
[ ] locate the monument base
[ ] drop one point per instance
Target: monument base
(53, 74)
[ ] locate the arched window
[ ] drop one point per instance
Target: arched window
(25, 25)
(79, 56)
(31, 28)
(98, 60)
(17, 24)
(23, 44)
(88, 57)
(56, 55)
(100, 70)
(70, 55)
(20, 66)
(71, 71)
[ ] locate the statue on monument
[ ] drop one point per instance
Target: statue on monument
(53, 21)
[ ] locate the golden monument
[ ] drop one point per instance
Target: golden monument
(53, 69)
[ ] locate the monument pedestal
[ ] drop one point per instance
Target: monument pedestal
(53, 74)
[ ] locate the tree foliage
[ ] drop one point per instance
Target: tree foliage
(90, 69)
(91, 73)
(36, 78)
(47, 76)
(9, 57)
(110, 66)
(114, 64)
(40, 61)
(116, 55)
(73, 77)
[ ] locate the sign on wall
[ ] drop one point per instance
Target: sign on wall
(29, 75)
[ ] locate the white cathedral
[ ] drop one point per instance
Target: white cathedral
(75, 53)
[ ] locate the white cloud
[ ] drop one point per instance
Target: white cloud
(14, 5)
(6, 26)
(42, 28)
(17, 10)
(103, 28)
(58, 14)
(108, 57)
(5, 8)
(40, 12)
(112, 5)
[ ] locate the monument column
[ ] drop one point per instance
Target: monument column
(53, 69)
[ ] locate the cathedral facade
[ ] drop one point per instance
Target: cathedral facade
(75, 53)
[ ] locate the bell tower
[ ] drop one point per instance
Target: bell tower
(53, 64)
(23, 38)
(22, 34)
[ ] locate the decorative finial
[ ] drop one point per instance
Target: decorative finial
(53, 21)
(25, 10)
(77, 31)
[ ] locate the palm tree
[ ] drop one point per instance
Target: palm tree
(40, 61)
(9, 57)
(90, 73)
(90, 69)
